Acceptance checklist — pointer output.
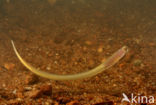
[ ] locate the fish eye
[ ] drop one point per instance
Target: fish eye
(125, 48)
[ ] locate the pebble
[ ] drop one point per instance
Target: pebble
(33, 94)
(97, 78)
(31, 79)
(9, 66)
(137, 62)
(47, 103)
(57, 54)
(56, 103)
(88, 42)
(15, 102)
(63, 99)
(152, 44)
(48, 68)
(46, 89)
(4, 85)
(91, 63)
(100, 49)
(19, 95)
(28, 88)
(55, 62)
(137, 40)
(14, 91)
(36, 93)
(103, 60)
(73, 103)
(84, 48)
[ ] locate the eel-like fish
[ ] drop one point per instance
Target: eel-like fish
(107, 64)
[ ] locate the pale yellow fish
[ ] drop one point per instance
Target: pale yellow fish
(107, 64)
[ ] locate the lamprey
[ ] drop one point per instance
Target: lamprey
(107, 64)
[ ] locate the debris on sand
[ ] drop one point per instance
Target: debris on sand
(45, 89)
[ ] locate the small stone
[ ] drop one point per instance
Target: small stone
(28, 88)
(114, 85)
(103, 60)
(152, 44)
(98, 99)
(21, 88)
(56, 103)
(100, 49)
(33, 94)
(91, 63)
(97, 79)
(9, 66)
(31, 79)
(46, 89)
(19, 95)
(137, 62)
(55, 62)
(14, 102)
(4, 85)
(75, 63)
(47, 103)
(84, 48)
(88, 42)
(73, 103)
(137, 40)
(19, 99)
(14, 91)
(63, 99)
(85, 94)
(48, 68)
(57, 54)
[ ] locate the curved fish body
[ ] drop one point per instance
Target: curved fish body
(107, 64)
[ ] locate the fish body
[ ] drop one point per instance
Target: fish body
(112, 60)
